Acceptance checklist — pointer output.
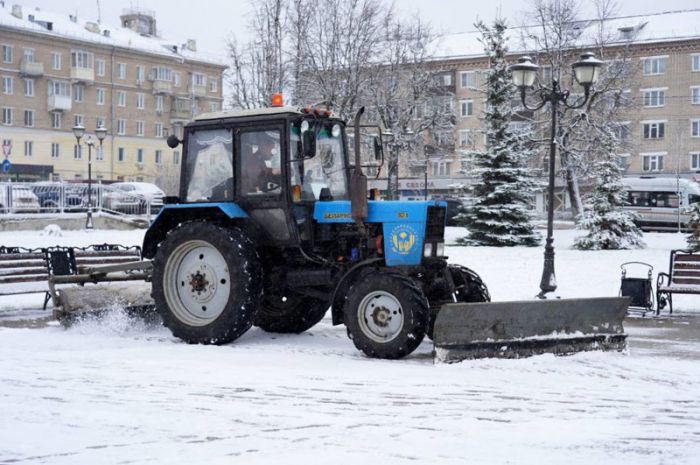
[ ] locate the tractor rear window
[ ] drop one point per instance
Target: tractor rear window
(209, 169)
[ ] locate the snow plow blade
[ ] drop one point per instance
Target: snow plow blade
(529, 327)
(72, 303)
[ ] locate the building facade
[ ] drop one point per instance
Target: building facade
(661, 131)
(58, 71)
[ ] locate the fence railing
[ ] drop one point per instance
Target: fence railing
(62, 197)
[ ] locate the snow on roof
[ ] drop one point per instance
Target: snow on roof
(75, 28)
(639, 29)
(244, 113)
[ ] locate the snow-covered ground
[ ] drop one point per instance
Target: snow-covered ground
(116, 391)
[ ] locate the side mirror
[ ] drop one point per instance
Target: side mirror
(378, 150)
(173, 141)
(308, 142)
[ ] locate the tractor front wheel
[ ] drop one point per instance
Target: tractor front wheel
(206, 283)
(385, 314)
(289, 313)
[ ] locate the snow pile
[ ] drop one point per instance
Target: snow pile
(52, 230)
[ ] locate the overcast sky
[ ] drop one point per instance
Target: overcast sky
(211, 21)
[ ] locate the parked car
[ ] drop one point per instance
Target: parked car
(661, 203)
(149, 194)
(49, 195)
(454, 208)
(21, 200)
(116, 200)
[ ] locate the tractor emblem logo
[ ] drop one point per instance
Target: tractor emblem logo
(403, 238)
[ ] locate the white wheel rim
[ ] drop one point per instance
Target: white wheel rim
(197, 283)
(380, 316)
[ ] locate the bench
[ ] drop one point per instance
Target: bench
(683, 277)
(26, 271)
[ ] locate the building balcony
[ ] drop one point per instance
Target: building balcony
(31, 68)
(181, 113)
(199, 91)
(84, 75)
(162, 87)
(59, 103)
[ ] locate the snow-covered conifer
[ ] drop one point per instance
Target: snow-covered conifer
(694, 225)
(503, 189)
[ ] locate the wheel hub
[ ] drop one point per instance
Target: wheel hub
(199, 282)
(380, 316)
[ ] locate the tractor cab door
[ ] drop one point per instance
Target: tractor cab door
(262, 191)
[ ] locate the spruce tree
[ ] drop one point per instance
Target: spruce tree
(503, 189)
(608, 225)
(694, 225)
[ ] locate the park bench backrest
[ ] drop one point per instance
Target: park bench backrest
(685, 268)
(21, 265)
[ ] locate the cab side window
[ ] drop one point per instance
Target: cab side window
(209, 168)
(260, 163)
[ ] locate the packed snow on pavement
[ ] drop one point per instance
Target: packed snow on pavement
(114, 390)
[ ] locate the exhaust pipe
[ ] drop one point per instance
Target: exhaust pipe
(358, 180)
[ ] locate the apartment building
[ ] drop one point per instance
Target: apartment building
(58, 71)
(662, 132)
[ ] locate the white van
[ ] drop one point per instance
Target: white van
(660, 203)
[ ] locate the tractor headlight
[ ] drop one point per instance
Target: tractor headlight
(440, 249)
(428, 249)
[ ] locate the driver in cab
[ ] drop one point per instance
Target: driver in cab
(260, 162)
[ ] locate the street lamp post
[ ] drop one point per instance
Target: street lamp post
(524, 73)
(79, 132)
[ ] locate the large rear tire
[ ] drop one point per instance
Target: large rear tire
(207, 283)
(386, 314)
(289, 313)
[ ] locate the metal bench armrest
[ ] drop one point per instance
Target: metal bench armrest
(660, 279)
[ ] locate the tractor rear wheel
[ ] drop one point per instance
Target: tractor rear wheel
(386, 314)
(289, 313)
(206, 283)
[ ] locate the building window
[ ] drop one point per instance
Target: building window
(198, 79)
(159, 157)
(59, 88)
(695, 62)
(622, 130)
(7, 85)
(55, 150)
(100, 96)
(29, 87)
(81, 59)
(654, 97)
(100, 67)
(654, 130)
(7, 116)
(161, 73)
(28, 148)
(159, 103)
(653, 162)
(213, 84)
(55, 60)
(78, 152)
(29, 118)
(79, 121)
(78, 93)
(120, 154)
(466, 138)
(7, 53)
(695, 128)
(466, 108)
(213, 106)
(695, 161)
(121, 98)
(139, 128)
(29, 55)
(140, 101)
(441, 168)
(177, 78)
(468, 79)
(139, 156)
(623, 161)
(654, 65)
(121, 70)
(99, 153)
(159, 130)
(140, 74)
(695, 95)
(99, 122)
(121, 127)
(56, 120)
(176, 157)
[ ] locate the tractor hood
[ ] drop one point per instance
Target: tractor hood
(406, 225)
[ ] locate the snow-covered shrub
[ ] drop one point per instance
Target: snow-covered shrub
(608, 225)
(694, 225)
(52, 230)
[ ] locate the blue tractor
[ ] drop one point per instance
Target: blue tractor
(273, 227)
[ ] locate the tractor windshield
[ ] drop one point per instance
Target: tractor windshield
(324, 171)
